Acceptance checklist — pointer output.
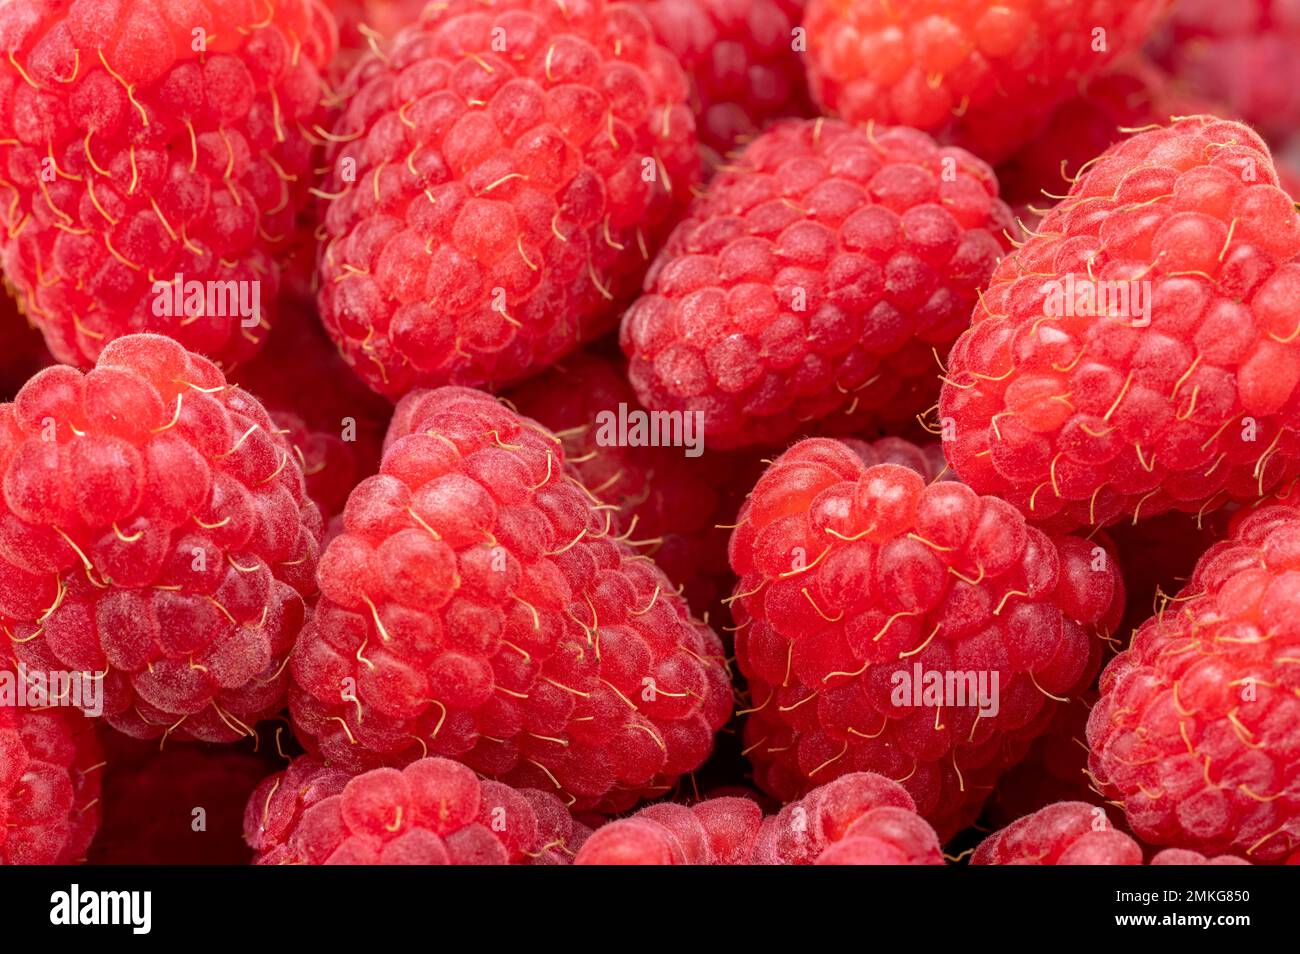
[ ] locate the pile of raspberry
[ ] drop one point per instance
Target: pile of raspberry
(658, 432)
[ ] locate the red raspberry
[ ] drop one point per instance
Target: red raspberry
(50, 764)
(151, 795)
(983, 74)
(740, 56)
(852, 576)
(1241, 53)
(433, 812)
(1076, 833)
(491, 208)
(815, 278)
(154, 526)
(1197, 732)
(858, 819)
(1081, 420)
(673, 502)
(132, 158)
(716, 831)
(478, 606)
(334, 423)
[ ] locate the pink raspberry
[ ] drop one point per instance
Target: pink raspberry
(1197, 733)
(497, 180)
(154, 528)
(984, 74)
(1076, 833)
(50, 771)
(433, 812)
(741, 59)
(716, 831)
(145, 140)
(858, 583)
(478, 606)
(814, 280)
(1179, 391)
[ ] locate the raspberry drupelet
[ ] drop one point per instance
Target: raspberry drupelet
(51, 767)
(142, 141)
(1076, 833)
(1139, 353)
(813, 281)
(155, 529)
(478, 605)
(982, 74)
(433, 812)
(497, 181)
(857, 582)
(1197, 733)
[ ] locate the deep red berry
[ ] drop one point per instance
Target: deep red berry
(1197, 733)
(478, 606)
(498, 180)
(1139, 354)
(983, 74)
(50, 772)
(860, 585)
(141, 141)
(433, 812)
(154, 528)
(813, 281)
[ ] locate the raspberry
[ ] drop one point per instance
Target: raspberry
(740, 57)
(132, 159)
(815, 278)
(982, 74)
(1197, 733)
(514, 163)
(154, 527)
(716, 831)
(477, 606)
(1079, 418)
(858, 819)
(50, 766)
(1075, 833)
(662, 495)
(853, 576)
(182, 804)
(334, 423)
(434, 811)
(1242, 54)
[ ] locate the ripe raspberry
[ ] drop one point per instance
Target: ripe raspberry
(1197, 732)
(154, 526)
(1081, 419)
(478, 606)
(858, 819)
(662, 495)
(132, 159)
(851, 576)
(151, 795)
(433, 812)
(981, 74)
(716, 831)
(740, 57)
(50, 764)
(815, 278)
(334, 423)
(491, 206)
(1076, 833)
(1243, 54)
